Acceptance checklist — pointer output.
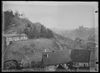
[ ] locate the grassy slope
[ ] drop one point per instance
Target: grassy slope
(24, 49)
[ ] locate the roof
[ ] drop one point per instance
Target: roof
(58, 57)
(80, 55)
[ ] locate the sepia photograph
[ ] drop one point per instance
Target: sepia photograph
(50, 36)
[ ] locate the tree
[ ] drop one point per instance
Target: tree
(91, 38)
(78, 42)
(33, 32)
(30, 31)
(91, 45)
(17, 14)
(43, 32)
(49, 33)
(8, 16)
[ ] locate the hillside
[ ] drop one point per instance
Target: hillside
(65, 39)
(15, 24)
(81, 32)
(31, 47)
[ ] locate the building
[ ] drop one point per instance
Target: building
(14, 37)
(81, 58)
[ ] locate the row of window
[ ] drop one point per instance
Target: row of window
(81, 65)
(16, 38)
(8, 40)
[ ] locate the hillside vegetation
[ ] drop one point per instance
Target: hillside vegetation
(81, 32)
(13, 23)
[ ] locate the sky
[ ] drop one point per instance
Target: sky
(57, 15)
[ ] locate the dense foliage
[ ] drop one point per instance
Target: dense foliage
(8, 15)
(32, 32)
(13, 22)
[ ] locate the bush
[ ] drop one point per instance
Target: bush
(36, 64)
(32, 32)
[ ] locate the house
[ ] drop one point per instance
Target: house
(14, 37)
(80, 58)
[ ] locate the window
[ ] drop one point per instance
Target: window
(97, 62)
(46, 55)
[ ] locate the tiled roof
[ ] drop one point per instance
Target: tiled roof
(80, 55)
(56, 57)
